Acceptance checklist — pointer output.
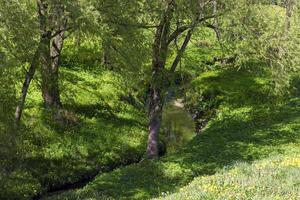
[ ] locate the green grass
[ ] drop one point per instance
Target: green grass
(249, 128)
(274, 178)
(101, 132)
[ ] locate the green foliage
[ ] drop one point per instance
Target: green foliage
(257, 32)
(19, 31)
(18, 184)
(81, 53)
(7, 133)
(240, 132)
(101, 132)
(202, 52)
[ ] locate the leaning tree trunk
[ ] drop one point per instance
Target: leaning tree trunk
(28, 78)
(34, 63)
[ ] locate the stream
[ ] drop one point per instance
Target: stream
(178, 128)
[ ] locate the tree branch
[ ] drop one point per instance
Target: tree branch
(182, 49)
(137, 25)
(176, 33)
(61, 31)
(182, 29)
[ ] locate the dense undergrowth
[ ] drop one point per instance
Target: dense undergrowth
(251, 126)
(99, 132)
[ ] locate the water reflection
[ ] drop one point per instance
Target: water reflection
(178, 126)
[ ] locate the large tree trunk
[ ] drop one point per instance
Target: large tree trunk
(28, 77)
(50, 56)
(155, 116)
(49, 96)
(50, 91)
(55, 52)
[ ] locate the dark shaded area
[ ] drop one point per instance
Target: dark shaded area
(223, 143)
(82, 181)
(254, 126)
(76, 169)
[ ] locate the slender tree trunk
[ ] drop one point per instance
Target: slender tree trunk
(33, 66)
(28, 77)
(287, 25)
(182, 49)
(216, 24)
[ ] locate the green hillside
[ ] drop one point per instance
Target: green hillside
(236, 154)
(138, 99)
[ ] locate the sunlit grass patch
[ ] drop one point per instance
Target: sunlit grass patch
(273, 178)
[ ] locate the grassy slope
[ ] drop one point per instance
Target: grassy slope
(247, 128)
(273, 178)
(104, 132)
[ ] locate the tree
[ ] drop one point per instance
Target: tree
(19, 39)
(172, 16)
(53, 25)
(54, 21)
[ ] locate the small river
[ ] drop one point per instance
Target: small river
(178, 126)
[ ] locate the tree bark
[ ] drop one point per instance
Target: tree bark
(55, 52)
(49, 88)
(155, 116)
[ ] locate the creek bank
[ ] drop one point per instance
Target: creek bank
(178, 129)
(83, 181)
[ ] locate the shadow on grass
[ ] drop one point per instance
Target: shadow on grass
(102, 141)
(248, 130)
(242, 136)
